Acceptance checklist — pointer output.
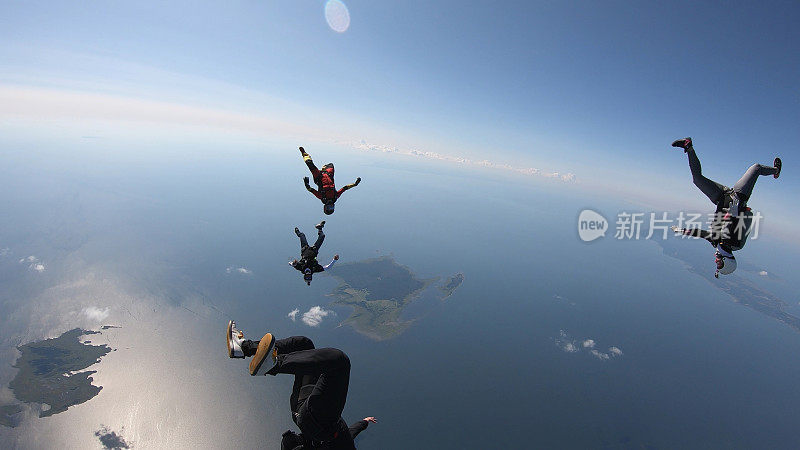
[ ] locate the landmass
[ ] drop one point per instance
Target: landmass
(739, 289)
(379, 290)
(8, 415)
(49, 371)
(111, 439)
(451, 285)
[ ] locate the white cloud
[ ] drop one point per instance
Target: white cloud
(242, 270)
(293, 314)
(565, 342)
(763, 273)
(29, 259)
(33, 263)
(5, 251)
(531, 171)
(96, 314)
(313, 317)
(570, 345)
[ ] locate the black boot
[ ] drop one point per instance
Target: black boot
(297, 231)
(320, 225)
(777, 165)
(685, 143)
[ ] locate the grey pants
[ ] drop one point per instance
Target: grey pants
(715, 191)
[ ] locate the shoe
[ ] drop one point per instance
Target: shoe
(266, 356)
(297, 231)
(233, 338)
(777, 165)
(302, 151)
(320, 225)
(685, 143)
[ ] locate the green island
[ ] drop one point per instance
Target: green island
(49, 371)
(378, 290)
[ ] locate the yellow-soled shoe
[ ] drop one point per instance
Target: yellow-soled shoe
(265, 358)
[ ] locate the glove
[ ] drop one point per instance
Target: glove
(358, 180)
(305, 180)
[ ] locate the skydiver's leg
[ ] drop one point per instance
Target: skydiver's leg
(293, 344)
(320, 238)
(285, 346)
(328, 398)
(744, 187)
(296, 344)
(303, 240)
(713, 190)
(310, 163)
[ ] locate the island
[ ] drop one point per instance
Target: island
(698, 260)
(50, 371)
(8, 415)
(378, 290)
(451, 285)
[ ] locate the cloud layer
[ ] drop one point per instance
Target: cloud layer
(530, 171)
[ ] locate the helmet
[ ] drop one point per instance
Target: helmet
(725, 265)
(328, 208)
(307, 275)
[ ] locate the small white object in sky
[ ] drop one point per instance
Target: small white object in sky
(337, 16)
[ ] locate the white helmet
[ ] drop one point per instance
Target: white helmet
(728, 266)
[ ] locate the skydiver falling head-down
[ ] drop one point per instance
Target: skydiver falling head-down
(321, 380)
(732, 218)
(308, 255)
(323, 178)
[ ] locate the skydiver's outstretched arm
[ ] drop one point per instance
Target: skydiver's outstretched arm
(360, 426)
(310, 189)
(349, 186)
(694, 232)
(330, 264)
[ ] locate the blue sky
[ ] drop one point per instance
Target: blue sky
(594, 88)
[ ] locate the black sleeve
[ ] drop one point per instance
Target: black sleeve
(358, 427)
